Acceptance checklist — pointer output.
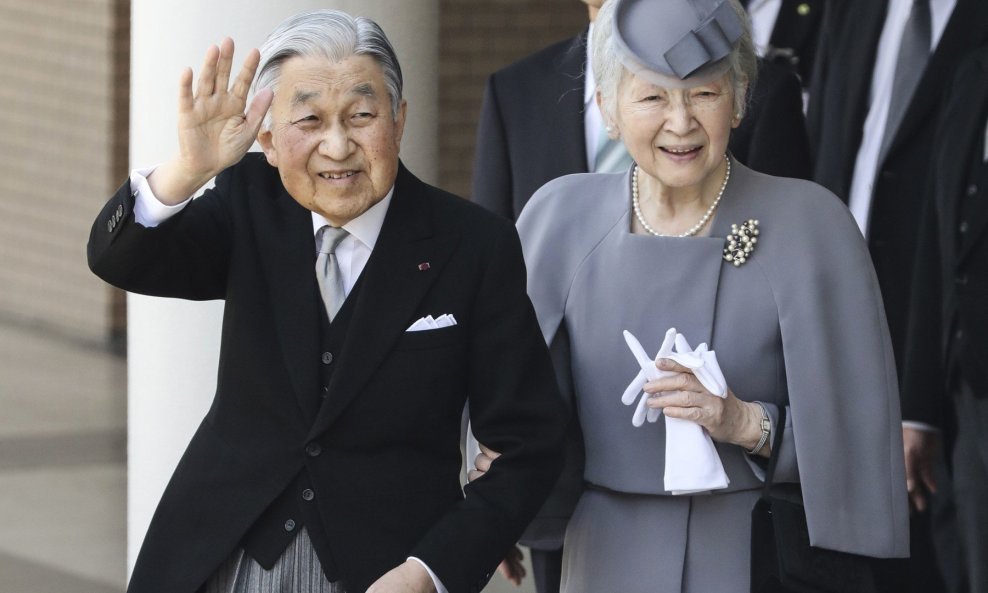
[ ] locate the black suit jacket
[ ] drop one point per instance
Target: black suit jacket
(949, 318)
(838, 107)
(386, 469)
(794, 37)
(531, 127)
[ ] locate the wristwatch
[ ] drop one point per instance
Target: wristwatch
(766, 425)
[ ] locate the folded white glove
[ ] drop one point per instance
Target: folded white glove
(691, 461)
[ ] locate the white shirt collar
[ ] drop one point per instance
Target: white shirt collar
(364, 228)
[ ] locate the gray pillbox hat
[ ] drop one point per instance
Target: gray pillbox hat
(675, 43)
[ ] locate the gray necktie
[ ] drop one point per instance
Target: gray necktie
(611, 157)
(328, 269)
(914, 52)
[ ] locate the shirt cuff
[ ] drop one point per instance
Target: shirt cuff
(919, 426)
(148, 211)
(435, 580)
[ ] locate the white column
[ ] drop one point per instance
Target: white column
(174, 345)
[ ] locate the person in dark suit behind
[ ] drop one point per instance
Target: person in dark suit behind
(881, 71)
(787, 31)
(948, 332)
(329, 460)
(539, 121)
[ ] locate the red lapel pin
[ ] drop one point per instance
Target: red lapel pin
(424, 266)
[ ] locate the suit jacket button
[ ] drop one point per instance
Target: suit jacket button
(290, 525)
(961, 279)
(959, 334)
(308, 494)
(313, 449)
(110, 225)
(327, 357)
(120, 211)
(972, 190)
(962, 227)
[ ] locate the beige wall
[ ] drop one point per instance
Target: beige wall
(60, 156)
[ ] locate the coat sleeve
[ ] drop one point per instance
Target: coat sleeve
(923, 384)
(515, 409)
(841, 379)
(185, 257)
(491, 166)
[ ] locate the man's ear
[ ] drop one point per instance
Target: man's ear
(267, 145)
(400, 122)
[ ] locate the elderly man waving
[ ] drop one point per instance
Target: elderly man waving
(363, 308)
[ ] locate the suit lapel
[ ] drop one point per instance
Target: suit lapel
(568, 92)
(964, 30)
(288, 260)
(393, 286)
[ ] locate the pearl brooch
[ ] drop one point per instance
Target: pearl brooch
(741, 242)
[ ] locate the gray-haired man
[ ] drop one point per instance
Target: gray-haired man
(329, 460)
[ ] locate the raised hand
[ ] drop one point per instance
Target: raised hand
(214, 130)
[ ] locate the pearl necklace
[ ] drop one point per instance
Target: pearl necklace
(692, 230)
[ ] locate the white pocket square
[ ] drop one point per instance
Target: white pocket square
(428, 322)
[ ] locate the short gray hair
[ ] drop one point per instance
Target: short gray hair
(608, 70)
(331, 34)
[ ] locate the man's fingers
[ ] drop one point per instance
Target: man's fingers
(474, 474)
(511, 572)
(246, 75)
(207, 76)
(483, 462)
(929, 481)
(224, 64)
(917, 499)
(488, 451)
(258, 107)
(185, 100)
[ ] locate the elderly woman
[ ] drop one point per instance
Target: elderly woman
(796, 321)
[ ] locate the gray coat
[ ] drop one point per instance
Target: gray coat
(801, 324)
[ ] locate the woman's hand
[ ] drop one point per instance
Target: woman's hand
(727, 419)
(214, 132)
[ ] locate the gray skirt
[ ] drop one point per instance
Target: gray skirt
(297, 571)
(659, 544)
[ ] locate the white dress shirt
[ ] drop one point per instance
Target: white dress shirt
(763, 14)
(351, 254)
(593, 122)
(866, 165)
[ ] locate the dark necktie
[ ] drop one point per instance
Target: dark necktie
(328, 269)
(914, 52)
